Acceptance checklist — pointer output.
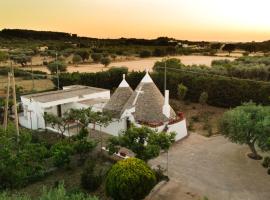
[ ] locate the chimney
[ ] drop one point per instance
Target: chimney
(166, 107)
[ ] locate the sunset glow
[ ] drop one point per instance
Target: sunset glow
(231, 20)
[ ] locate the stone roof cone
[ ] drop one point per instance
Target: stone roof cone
(148, 103)
(119, 98)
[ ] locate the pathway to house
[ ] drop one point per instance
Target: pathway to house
(212, 167)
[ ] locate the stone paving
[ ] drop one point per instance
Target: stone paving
(213, 167)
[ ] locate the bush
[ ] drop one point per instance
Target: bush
(61, 153)
(266, 162)
(182, 91)
(83, 147)
(130, 179)
(90, 178)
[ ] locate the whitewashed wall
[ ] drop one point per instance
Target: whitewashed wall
(180, 128)
(114, 128)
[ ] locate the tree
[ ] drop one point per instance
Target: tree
(21, 59)
(3, 56)
(203, 98)
(96, 57)
(52, 66)
(59, 123)
(248, 124)
(84, 116)
(130, 179)
(182, 91)
(229, 48)
(145, 54)
(76, 59)
(84, 54)
(105, 61)
(144, 142)
(159, 52)
(172, 63)
(216, 46)
(103, 120)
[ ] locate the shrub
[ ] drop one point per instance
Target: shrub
(266, 162)
(130, 179)
(61, 153)
(83, 147)
(90, 178)
(182, 91)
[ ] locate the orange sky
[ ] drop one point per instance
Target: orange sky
(230, 20)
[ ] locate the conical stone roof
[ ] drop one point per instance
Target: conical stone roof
(148, 102)
(119, 99)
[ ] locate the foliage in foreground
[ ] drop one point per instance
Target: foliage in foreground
(20, 163)
(144, 142)
(130, 179)
(91, 179)
(58, 193)
(248, 124)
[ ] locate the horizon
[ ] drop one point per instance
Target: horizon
(199, 20)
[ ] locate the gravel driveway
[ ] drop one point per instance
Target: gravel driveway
(216, 168)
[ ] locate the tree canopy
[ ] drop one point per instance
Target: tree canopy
(52, 66)
(248, 124)
(144, 142)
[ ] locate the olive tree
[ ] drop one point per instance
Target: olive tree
(76, 59)
(105, 61)
(53, 66)
(248, 124)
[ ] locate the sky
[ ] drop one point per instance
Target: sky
(209, 20)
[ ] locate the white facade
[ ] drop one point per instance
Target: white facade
(34, 110)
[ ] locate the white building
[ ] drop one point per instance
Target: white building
(58, 102)
(144, 106)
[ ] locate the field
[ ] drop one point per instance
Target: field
(133, 64)
(27, 85)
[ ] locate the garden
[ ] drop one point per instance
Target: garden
(36, 164)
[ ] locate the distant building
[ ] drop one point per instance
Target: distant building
(144, 106)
